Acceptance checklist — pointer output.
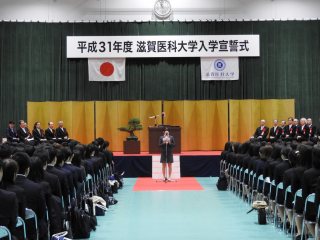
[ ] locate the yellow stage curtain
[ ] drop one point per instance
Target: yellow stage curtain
(78, 117)
(114, 114)
(245, 115)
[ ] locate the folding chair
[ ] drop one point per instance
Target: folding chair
(317, 225)
(255, 189)
(5, 233)
(272, 203)
(30, 214)
(21, 223)
(310, 199)
(252, 185)
(239, 182)
(277, 204)
(295, 215)
(285, 217)
(244, 185)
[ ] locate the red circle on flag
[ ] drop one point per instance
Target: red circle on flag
(107, 69)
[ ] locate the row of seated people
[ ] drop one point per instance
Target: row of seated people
(302, 130)
(38, 135)
(295, 164)
(43, 178)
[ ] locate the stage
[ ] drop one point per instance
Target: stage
(192, 163)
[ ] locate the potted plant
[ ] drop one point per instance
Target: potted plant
(133, 125)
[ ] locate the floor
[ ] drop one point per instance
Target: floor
(185, 214)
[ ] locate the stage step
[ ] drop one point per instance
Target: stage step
(157, 167)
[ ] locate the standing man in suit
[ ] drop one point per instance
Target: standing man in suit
(23, 132)
(283, 127)
(50, 132)
(303, 131)
(275, 132)
(12, 135)
(290, 130)
(261, 132)
(38, 133)
(61, 132)
(166, 143)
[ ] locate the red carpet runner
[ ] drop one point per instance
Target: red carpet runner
(185, 183)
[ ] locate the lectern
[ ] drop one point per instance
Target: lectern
(156, 132)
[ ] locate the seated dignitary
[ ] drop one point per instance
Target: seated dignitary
(35, 198)
(261, 132)
(23, 132)
(8, 207)
(312, 131)
(290, 130)
(302, 134)
(11, 134)
(275, 132)
(38, 133)
(50, 132)
(61, 132)
(283, 127)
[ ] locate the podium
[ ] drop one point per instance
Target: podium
(157, 167)
(156, 132)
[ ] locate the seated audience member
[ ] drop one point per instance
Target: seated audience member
(273, 162)
(316, 205)
(11, 134)
(53, 203)
(290, 130)
(265, 154)
(63, 179)
(77, 161)
(284, 165)
(9, 208)
(23, 132)
(38, 133)
(303, 131)
(35, 198)
(312, 131)
(50, 132)
(5, 151)
(61, 132)
(10, 171)
(275, 132)
(309, 181)
(261, 132)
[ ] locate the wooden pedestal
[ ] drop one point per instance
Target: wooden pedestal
(131, 147)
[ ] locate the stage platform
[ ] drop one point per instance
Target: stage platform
(192, 163)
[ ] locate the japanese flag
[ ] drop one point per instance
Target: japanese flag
(107, 69)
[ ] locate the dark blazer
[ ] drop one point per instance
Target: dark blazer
(23, 135)
(20, 197)
(8, 210)
(61, 134)
(50, 135)
(11, 134)
(166, 150)
(261, 133)
(38, 136)
(309, 181)
(312, 131)
(275, 132)
(302, 134)
(63, 179)
(54, 182)
(290, 132)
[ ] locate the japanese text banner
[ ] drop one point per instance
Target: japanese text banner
(163, 46)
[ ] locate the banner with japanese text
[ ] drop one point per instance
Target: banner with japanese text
(220, 68)
(163, 46)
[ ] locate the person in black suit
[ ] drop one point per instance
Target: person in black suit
(283, 127)
(23, 132)
(62, 133)
(312, 131)
(166, 143)
(290, 130)
(50, 132)
(275, 132)
(261, 132)
(302, 131)
(5, 151)
(11, 133)
(10, 171)
(309, 181)
(35, 198)
(9, 207)
(38, 133)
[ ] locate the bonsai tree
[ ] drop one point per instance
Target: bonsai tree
(133, 125)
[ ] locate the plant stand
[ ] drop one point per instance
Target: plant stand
(131, 147)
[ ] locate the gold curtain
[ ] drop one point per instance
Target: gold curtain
(245, 115)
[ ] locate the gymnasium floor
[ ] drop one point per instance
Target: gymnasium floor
(202, 213)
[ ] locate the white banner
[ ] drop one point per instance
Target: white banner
(104, 70)
(220, 68)
(163, 46)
